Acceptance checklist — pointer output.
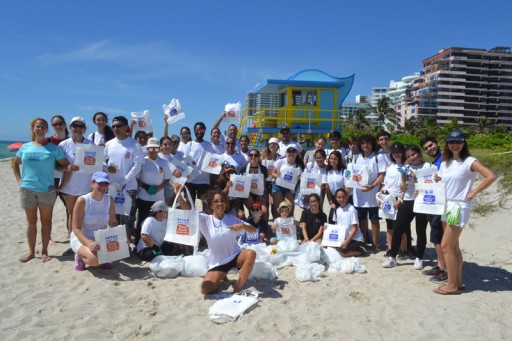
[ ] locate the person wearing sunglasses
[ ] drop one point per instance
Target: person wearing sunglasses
(255, 167)
(234, 158)
(124, 157)
(93, 211)
(33, 168)
(458, 171)
(287, 142)
(74, 183)
(256, 219)
(152, 179)
(232, 132)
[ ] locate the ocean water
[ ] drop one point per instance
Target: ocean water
(4, 152)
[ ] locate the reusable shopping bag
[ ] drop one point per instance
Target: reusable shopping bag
(179, 171)
(257, 184)
(232, 112)
(310, 183)
(142, 122)
(334, 235)
(212, 163)
(122, 200)
(387, 208)
(431, 199)
(113, 244)
(230, 308)
(173, 111)
(286, 228)
(183, 225)
(356, 176)
(425, 176)
(241, 186)
(89, 158)
(288, 177)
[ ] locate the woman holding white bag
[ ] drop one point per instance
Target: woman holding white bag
(458, 171)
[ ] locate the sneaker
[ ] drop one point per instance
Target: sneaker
(418, 264)
(403, 254)
(389, 263)
(436, 270)
(364, 251)
(440, 279)
(388, 253)
(79, 263)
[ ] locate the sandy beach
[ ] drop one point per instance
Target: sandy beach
(53, 301)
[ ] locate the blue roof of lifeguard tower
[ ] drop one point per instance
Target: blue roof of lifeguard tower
(310, 78)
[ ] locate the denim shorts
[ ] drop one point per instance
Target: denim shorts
(282, 190)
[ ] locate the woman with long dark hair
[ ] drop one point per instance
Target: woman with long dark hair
(104, 132)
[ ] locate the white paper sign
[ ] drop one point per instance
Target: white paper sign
(241, 186)
(431, 199)
(232, 112)
(356, 176)
(334, 235)
(288, 177)
(173, 111)
(310, 183)
(212, 163)
(113, 244)
(89, 158)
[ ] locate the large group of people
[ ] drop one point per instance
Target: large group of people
(140, 167)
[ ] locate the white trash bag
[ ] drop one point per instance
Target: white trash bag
(309, 272)
(195, 265)
(263, 270)
(167, 266)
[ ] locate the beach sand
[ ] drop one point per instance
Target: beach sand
(53, 301)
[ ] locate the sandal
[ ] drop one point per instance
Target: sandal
(444, 292)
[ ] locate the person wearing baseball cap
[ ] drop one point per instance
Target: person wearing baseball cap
(287, 142)
(256, 219)
(151, 243)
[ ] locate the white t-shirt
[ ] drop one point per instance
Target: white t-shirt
(409, 192)
(459, 180)
(78, 183)
(236, 160)
(384, 160)
(392, 180)
(153, 172)
(197, 151)
(221, 240)
(270, 164)
(155, 230)
(335, 180)
(367, 199)
(283, 147)
(347, 216)
(182, 146)
(99, 138)
(219, 148)
(223, 139)
(312, 167)
(170, 157)
(127, 156)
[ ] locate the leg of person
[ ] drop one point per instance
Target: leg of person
(88, 257)
(146, 254)
(45, 213)
(70, 201)
(389, 234)
(212, 281)
(31, 214)
(289, 198)
(451, 257)
(277, 199)
(373, 213)
(421, 239)
(143, 208)
(436, 236)
(245, 263)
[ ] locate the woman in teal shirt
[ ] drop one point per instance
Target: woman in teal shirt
(38, 159)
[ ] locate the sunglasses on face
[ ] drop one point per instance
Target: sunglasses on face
(151, 149)
(78, 126)
(58, 124)
(117, 126)
(230, 143)
(199, 131)
(255, 209)
(254, 155)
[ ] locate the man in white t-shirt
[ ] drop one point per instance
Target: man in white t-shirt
(197, 150)
(124, 157)
(232, 132)
(287, 142)
(335, 144)
(384, 156)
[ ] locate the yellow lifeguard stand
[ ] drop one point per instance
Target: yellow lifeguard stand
(309, 103)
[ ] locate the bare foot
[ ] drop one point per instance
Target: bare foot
(52, 242)
(45, 258)
(26, 258)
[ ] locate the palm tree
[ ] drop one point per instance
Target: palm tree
(384, 112)
(484, 125)
(357, 121)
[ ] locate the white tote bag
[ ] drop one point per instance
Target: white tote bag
(334, 235)
(232, 112)
(257, 184)
(142, 122)
(122, 200)
(431, 199)
(288, 177)
(113, 244)
(179, 171)
(212, 163)
(356, 176)
(230, 308)
(286, 228)
(310, 183)
(241, 186)
(173, 111)
(387, 208)
(89, 158)
(183, 225)
(425, 176)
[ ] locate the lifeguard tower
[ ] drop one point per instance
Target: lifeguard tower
(309, 102)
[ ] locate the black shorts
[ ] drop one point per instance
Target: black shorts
(436, 228)
(226, 267)
(354, 245)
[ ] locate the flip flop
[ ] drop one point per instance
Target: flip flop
(444, 292)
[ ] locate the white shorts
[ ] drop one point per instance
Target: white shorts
(74, 242)
(463, 218)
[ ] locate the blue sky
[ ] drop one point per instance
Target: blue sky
(78, 57)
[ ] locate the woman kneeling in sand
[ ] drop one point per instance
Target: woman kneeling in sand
(220, 231)
(93, 211)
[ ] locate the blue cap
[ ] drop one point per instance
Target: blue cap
(456, 135)
(100, 176)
